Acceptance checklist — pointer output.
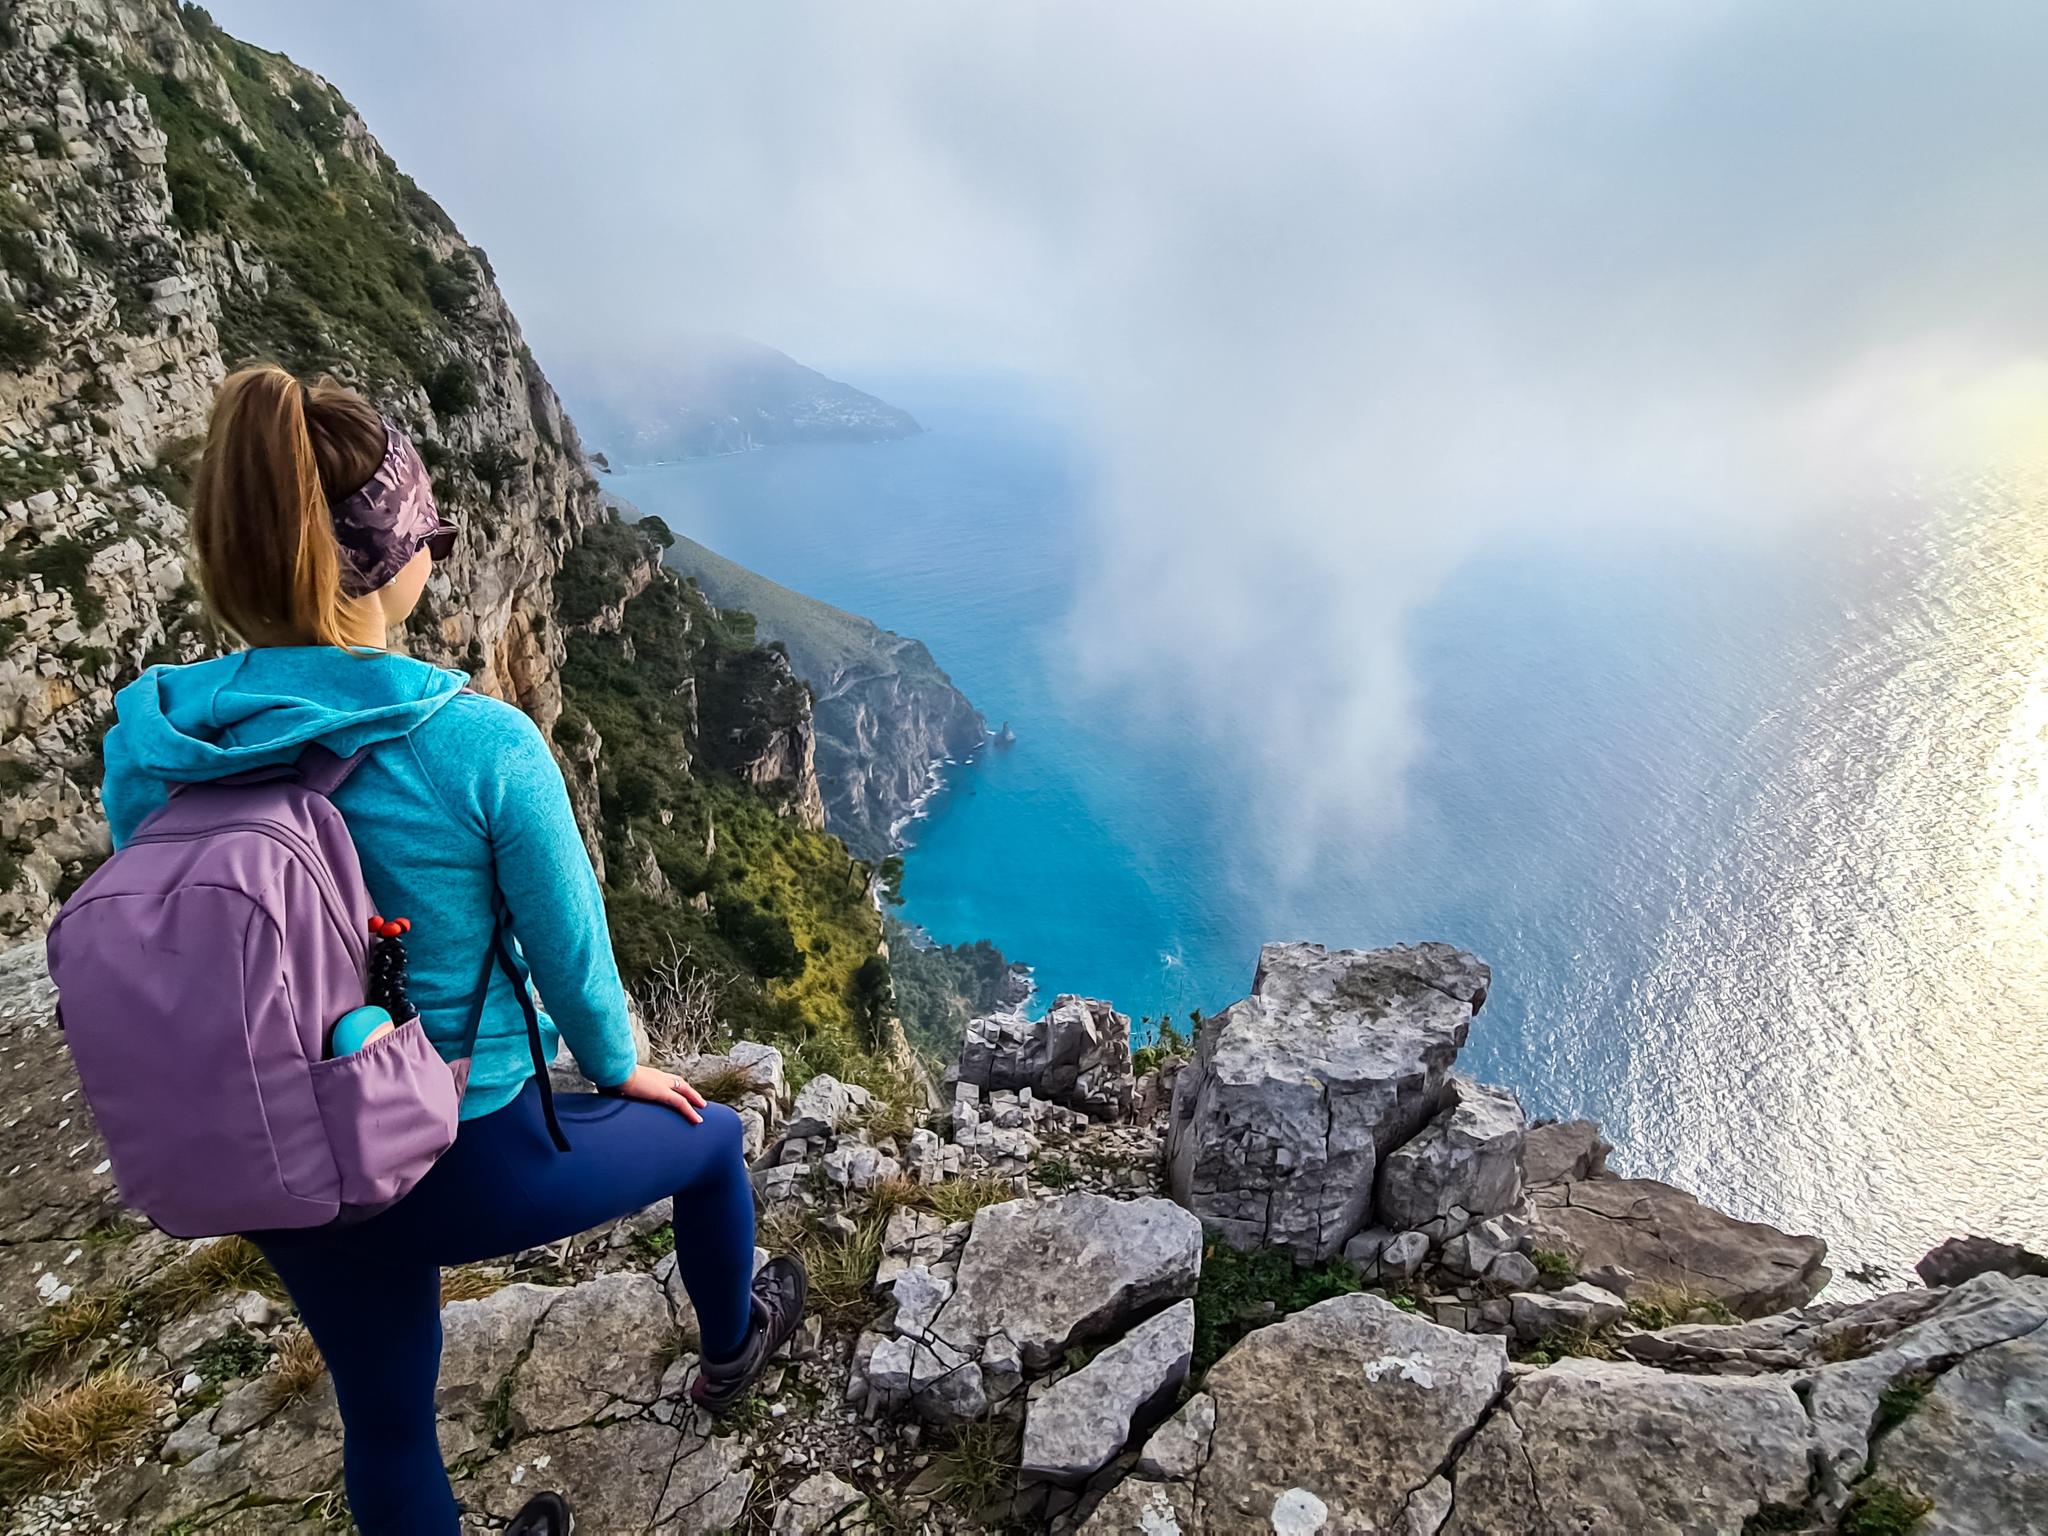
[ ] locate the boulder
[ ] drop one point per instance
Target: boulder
(1603, 1445)
(823, 1106)
(1468, 1159)
(1806, 1336)
(1668, 1241)
(1063, 1270)
(1962, 1258)
(1559, 1151)
(1295, 1093)
(1078, 1055)
(1403, 1257)
(1345, 1408)
(1074, 1428)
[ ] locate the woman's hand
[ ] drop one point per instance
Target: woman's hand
(658, 1087)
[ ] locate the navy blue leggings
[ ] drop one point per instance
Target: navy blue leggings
(370, 1294)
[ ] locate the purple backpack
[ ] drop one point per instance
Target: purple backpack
(199, 971)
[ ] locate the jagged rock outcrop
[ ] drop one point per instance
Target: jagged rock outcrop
(1960, 1258)
(128, 289)
(887, 715)
(1465, 1165)
(1352, 1415)
(1296, 1093)
(1330, 1420)
(1035, 1278)
(1078, 1055)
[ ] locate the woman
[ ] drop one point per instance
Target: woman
(314, 527)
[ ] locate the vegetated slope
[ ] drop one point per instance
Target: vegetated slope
(887, 713)
(173, 202)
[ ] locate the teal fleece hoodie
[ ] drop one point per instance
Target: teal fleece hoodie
(455, 787)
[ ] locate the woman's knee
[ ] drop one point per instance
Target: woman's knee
(725, 1131)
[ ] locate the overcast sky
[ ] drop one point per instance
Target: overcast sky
(1345, 288)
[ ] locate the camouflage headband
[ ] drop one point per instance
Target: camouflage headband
(384, 524)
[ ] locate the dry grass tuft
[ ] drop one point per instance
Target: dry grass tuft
(980, 1465)
(1662, 1306)
(63, 1436)
(67, 1332)
(223, 1265)
(726, 1084)
(296, 1368)
(471, 1282)
(842, 1269)
(899, 1193)
(959, 1199)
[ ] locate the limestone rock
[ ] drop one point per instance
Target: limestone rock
(1597, 1445)
(1843, 1397)
(639, 1476)
(1977, 1446)
(1807, 1336)
(1074, 1428)
(1468, 1158)
(823, 1106)
(1078, 1055)
(1668, 1240)
(481, 1341)
(1068, 1269)
(1403, 1257)
(1295, 1093)
(821, 1505)
(1146, 1509)
(1960, 1258)
(1347, 1406)
(598, 1347)
(1178, 1448)
(1578, 1308)
(1563, 1150)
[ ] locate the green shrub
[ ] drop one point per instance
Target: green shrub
(451, 389)
(1239, 1291)
(495, 464)
(1898, 1402)
(23, 340)
(1878, 1508)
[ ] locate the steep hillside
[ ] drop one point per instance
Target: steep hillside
(724, 394)
(174, 201)
(887, 714)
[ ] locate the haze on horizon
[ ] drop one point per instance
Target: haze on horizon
(1341, 293)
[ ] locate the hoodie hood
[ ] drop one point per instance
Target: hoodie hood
(254, 708)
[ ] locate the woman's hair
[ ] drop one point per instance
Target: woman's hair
(278, 452)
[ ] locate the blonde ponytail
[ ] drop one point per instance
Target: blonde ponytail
(276, 454)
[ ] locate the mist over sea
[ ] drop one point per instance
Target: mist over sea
(1750, 825)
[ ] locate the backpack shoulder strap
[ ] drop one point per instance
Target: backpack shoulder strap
(503, 956)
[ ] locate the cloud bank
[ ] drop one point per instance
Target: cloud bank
(1348, 291)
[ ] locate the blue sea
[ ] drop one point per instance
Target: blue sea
(1752, 830)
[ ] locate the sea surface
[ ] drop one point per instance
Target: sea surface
(1753, 833)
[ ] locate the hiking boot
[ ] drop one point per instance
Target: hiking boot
(780, 1290)
(545, 1514)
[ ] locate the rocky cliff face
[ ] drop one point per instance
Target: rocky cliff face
(176, 201)
(1017, 1329)
(886, 714)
